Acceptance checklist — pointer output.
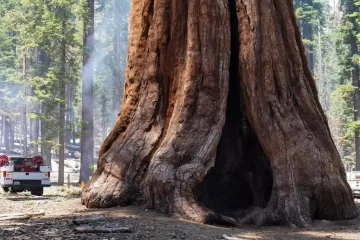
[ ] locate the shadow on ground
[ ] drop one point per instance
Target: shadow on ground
(57, 224)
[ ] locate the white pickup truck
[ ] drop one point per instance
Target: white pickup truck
(19, 174)
(353, 179)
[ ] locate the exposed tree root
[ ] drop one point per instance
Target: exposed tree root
(192, 210)
(106, 191)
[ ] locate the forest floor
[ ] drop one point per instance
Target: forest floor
(62, 205)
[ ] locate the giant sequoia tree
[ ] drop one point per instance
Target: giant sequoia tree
(220, 113)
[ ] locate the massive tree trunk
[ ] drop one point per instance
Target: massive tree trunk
(220, 114)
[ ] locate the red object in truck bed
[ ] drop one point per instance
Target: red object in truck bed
(27, 164)
(4, 160)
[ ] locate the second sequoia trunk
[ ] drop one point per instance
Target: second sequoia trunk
(220, 113)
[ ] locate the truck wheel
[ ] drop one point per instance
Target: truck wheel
(6, 189)
(15, 191)
(38, 191)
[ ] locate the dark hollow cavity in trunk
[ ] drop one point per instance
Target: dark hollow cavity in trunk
(242, 176)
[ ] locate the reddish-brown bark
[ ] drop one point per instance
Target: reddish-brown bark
(220, 113)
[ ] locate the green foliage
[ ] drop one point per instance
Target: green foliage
(353, 127)
(11, 91)
(51, 29)
(34, 34)
(310, 11)
(93, 167)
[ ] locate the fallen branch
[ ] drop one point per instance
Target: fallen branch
(88, 220)
(103, 230)
(20, 216)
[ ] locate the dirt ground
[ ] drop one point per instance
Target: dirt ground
(62, 205)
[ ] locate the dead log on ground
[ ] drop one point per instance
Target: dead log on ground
(88, 220)
(103, 230)
(20, 216)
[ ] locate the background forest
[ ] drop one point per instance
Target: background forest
(52, 75)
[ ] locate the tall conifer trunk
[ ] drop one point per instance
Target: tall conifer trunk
(87, 111)
(23, 109)
(220, 114)
(7, 133)
(62, 110)
(2, 130)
